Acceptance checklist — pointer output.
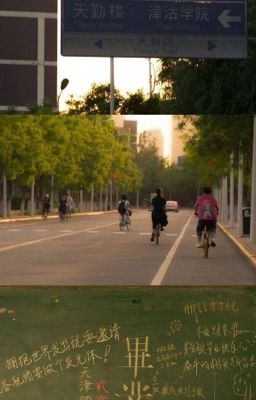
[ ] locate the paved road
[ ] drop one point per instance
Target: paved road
(90, 250)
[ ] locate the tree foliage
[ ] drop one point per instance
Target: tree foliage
(208, 86)
(213, 139)
(96, 101)
(77, 151)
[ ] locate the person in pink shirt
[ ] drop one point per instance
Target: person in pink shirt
(207, 210)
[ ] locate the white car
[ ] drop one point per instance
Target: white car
(172, 205)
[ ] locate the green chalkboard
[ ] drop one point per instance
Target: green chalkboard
(134, 343)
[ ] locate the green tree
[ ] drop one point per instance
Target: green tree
(151, 166)
(139, 103)
(208, 86)
(215, 137)
(96, 101)
(180, 184)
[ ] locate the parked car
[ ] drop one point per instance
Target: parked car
(172, 205)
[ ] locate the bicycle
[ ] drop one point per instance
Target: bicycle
(206, 241)
(62, 216)
(124, 222)
(157, 232)
(44, 215)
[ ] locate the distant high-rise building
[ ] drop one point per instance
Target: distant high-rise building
(177, 144)
(128, 126)
(118, 120)
(28, 53)
(155, 136)
(131, 127)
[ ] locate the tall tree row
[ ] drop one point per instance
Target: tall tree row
(77, 152)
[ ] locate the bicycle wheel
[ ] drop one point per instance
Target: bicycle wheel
(44, 216)
(121, 223)
(127, 222)
(206, 244)
(158, 227)
(61, 216)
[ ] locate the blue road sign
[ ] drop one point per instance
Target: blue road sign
(126, 16)
(166, 19)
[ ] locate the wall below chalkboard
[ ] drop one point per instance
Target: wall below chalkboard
(134, 343)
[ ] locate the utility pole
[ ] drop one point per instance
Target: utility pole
(112, 87)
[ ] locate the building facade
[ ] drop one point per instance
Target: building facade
(28, 53)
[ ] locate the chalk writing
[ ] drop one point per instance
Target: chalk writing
(65, 345)
(78, 360)
(203, 307)
(167, 355)
(182, 346)
(221, 330)
(189, 392)
(245, 385)
(174, 327)
(137, 353)
(219, 364)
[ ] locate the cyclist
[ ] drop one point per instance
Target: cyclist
(207, 209)
(158, 212)
(62, 207)
(69, 205)
(46, 204)
(124, 208)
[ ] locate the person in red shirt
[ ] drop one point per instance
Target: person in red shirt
(207, 210)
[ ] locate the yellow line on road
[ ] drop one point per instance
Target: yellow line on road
(31, 242)
(247, 252)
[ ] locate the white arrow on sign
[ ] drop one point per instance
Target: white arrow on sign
(225, 18)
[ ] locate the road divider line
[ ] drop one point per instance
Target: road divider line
(168, 259)
(32, 242)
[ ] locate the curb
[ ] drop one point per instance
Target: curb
(38, 217)
(242, 247)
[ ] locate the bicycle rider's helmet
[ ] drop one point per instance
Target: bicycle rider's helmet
(124, 197)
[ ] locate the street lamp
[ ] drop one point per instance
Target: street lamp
(63, 85)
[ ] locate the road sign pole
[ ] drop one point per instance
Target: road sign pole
(112, 87)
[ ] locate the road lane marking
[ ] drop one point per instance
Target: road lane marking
(171, 234)
(92, 231)
(146, 233)
(41, 230)
(32, 242)
(14, 230)
(168, 259)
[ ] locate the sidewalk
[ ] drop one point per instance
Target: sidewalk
(242, 242)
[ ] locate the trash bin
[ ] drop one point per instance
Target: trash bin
(246, 212)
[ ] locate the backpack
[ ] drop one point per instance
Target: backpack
(121, 207)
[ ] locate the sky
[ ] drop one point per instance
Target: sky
(130, 74)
